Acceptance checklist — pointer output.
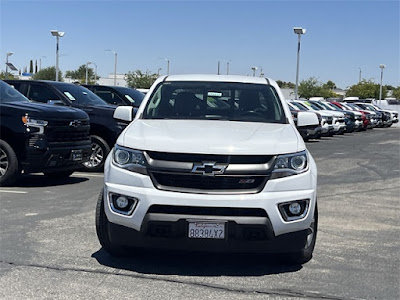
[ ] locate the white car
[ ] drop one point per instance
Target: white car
(339, 125)
(327, 117)
(211, 163)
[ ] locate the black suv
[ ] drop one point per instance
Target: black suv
(117, 95)
(40, 137)
(104, 129)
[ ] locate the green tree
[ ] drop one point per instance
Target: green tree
(47, 74)
(3, 75)
(138, 79)
(396, 92)
(366, 89)
(329, 85)
(313, 88)
(80, 75)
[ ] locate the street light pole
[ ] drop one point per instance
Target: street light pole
(359, 76)
(167, 65)
(115, 66)
(299, 31)
(380, 90)
(57, 34)
(227, 67)
(95, 72)
(7, 55)
(254, 71)
(86, 77)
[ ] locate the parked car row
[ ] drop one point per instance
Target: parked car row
(341, 117)
(64, 115)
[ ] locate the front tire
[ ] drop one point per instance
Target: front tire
(305, 254)
(102, 224)
(8, 164)
(100, 150)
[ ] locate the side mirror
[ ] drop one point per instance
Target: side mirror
(305, 118)
(124, 113)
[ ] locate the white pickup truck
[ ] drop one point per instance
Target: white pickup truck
(210, 163)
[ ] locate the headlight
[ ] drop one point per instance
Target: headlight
(290, 164)
(129, 159)
(38, 125)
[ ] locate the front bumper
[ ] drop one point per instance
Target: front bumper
(269, 232)
(41, 156)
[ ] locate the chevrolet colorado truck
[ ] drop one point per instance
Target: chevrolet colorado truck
(210, 163)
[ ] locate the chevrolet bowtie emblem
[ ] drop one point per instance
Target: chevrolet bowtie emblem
(75, 123)
(209, 168)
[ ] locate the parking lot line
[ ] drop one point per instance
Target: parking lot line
(13, 192)
(87, 175)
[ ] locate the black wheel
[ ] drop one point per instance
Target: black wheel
(8, 164)
(305, 254)
(100, 150)
(102, 230)
(59, 174)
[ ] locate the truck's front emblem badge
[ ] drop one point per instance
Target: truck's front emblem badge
(209, 168)
(75, 123)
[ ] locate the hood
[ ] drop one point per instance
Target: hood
(211, 137)
(47, 111)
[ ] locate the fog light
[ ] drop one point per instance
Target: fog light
(121, 202)
(295, 208)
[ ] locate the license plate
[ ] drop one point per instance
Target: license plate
(77, 155)
(206, 230)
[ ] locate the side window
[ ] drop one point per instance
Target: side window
(109, 96)
(43, 94)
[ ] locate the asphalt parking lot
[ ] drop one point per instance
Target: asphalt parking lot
(49, 248)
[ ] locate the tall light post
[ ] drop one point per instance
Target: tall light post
(158, 71)
(227, 67)
(380, 90)
(57, 34)
(87, 67)
(359, 76)
(115, 66)
(40, 62)
(167, 65)
(254, 71)
(95, 72)
(299, 31)
(7, 55)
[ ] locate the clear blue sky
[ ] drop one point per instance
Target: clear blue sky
(342, 36)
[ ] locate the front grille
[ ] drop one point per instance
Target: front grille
(60, 131)
(208, 183)
(210, 211)
(189, 157)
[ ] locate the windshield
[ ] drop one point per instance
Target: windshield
(331, 106)
(370, 107)
(215, 101)
(131, 95)
(80, 94)
(353, 106)
(9, 94)
(312, 105)
(299, 105)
